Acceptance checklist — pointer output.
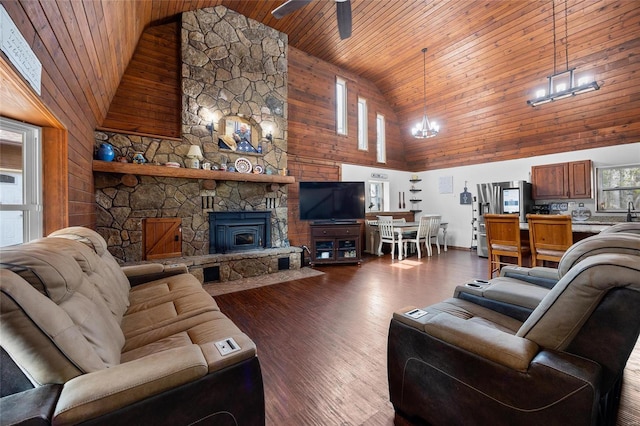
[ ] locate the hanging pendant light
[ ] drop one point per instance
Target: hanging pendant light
(561, 84)
(426, 129)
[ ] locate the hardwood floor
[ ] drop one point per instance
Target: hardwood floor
(322, 340)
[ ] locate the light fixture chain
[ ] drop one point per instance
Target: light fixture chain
(566, 35)
(424, 79)
(553, 9)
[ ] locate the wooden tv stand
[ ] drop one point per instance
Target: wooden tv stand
(335, 242)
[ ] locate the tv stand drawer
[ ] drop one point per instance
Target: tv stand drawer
(335, 230)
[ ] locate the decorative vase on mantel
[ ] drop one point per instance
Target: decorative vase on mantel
(105, 152)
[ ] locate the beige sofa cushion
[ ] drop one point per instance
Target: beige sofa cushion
(115, 285)
(153, 293)
(64, 282)
(40, 336)
(203, 330)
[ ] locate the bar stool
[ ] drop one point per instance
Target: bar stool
(550, 236)
(503, 240)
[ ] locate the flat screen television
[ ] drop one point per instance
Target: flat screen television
(332, 201)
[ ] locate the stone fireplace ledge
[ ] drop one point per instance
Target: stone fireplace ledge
(237, 265)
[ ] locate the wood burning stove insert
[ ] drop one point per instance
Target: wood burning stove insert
(239, 231)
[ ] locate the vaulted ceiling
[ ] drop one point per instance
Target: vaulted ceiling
(485, 59)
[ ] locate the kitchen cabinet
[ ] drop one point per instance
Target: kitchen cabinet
(335, 243)
(562, 180)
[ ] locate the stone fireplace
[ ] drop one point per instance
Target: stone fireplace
(233, 68)
(239, 231)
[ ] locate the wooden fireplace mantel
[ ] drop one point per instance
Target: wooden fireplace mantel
(163, 171)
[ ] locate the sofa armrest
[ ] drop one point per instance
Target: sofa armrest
(30, 407)
(425, 372)
(139, 274)
(490, 343)
(539, 275)
(94, 394)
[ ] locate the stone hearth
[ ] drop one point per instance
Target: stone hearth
(234, 266)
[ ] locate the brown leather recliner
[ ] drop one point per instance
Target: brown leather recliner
(460, 363)
(518, 291)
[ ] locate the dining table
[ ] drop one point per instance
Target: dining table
(401, 227)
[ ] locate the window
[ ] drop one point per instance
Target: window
(380, 139)
(20, 183)
(363, 140)
(341, 106)
(617, 187)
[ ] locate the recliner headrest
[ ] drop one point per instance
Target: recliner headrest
(626, 227)
(86, 236)
(602, 243)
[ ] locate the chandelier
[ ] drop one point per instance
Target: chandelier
(562, 84)
(425, 129)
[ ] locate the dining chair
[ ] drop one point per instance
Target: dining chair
(418, 237)
(503, 240)
(434, 232)
(387, 234)
(550, 236)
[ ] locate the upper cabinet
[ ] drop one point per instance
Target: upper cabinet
(562, 180)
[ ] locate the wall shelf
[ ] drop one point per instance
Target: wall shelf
(163, 171)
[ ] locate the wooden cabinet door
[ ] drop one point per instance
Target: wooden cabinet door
(550, 181)
(580, 179)
(162, 238)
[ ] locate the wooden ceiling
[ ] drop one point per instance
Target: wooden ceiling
(484, 60)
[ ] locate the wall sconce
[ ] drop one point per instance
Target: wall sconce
(211, 127)
(269, 135)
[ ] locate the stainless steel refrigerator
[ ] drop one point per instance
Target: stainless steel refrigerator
(501, 197)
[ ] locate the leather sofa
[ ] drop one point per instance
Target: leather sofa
(457, 362)
(518, 290)
(82, 345)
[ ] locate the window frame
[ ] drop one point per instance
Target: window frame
(363, 133)
(381, 140)
(601, 189)
(32, 183)
(341, 106)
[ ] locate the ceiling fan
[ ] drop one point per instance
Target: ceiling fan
(343, 9)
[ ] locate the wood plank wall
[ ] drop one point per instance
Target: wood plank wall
(315, 151)
(148, 99)
(84, 48)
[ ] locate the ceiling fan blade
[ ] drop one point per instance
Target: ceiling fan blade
(343, 9)
(288, 7)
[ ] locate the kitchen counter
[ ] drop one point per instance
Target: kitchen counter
(587, 226)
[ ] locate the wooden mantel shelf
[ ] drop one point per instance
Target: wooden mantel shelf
(151, 170)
